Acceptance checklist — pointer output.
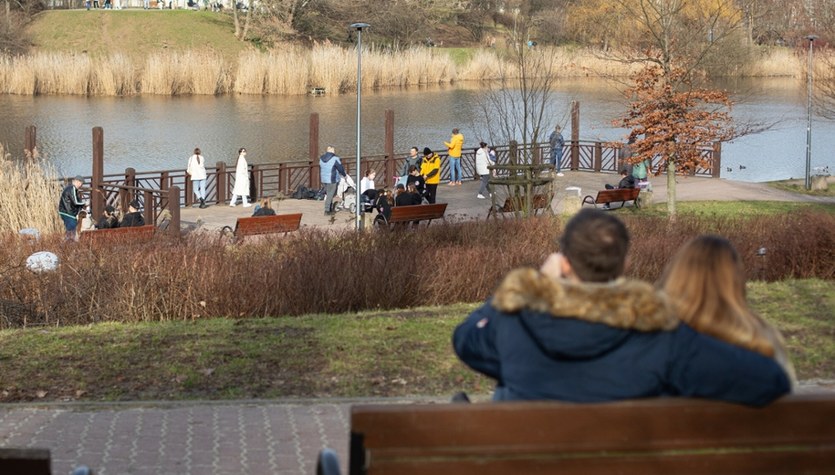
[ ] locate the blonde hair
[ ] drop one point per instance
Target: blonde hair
(705, 282)
(266, 203)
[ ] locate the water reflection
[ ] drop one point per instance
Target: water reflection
(150, 132)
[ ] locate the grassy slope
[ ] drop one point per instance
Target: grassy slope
(405, 352)
(134, 32)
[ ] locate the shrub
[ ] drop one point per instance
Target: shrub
(322, 271)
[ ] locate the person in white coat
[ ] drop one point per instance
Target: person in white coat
(482, 161)
(197, 173)
(241, 180)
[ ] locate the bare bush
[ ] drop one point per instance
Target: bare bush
(319, 271)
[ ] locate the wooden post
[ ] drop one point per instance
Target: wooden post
(220, 181)
(174, 225)
(716, 163)
(97, 201)
(164, 185)
(189, 192)
(124, 199)
(598, 156)
(575, 135)
(389, 148)
(130, 180)
(256, 184)
(514, 153)
(313, 157)
(148, 203)
(283, 179)
(30, 144)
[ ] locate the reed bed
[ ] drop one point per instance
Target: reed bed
(295, 70)
(201, 276)
(31, 196)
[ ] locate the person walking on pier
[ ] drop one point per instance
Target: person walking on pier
(70, 205)
(330, 169)
(482, 162)
(197, 172)
(557, 142)
(454, 147)
(241, 180)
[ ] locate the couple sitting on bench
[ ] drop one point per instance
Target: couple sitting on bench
(575, 330)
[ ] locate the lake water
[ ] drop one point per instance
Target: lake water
(153, 133)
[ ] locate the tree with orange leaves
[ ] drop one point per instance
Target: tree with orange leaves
(669, 121)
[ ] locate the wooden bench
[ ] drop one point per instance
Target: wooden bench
(651, 436)
(133, 234)
(31, 461)
(256, 225)
(605, 197)
(414, 213)
(540, 202)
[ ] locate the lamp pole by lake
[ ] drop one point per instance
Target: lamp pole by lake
(809, 73)
(359, 27)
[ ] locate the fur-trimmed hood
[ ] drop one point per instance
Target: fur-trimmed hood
(551, 310)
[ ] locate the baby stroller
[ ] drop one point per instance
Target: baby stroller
(346, 191)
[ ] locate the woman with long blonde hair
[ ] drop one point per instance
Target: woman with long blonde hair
(705, 282)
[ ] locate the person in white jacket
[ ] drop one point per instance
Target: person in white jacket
(241, 180)
(197, 173)
(482, 161)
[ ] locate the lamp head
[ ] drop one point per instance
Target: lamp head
(359, 26)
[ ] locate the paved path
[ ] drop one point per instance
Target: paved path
(463, 203)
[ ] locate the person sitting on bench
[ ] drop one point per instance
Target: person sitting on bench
(109, 220)
(133, 217)
(574, 330)
(264, 208)
(626, 181)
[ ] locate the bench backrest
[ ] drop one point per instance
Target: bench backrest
(417, 212)
(280, 223)
(28, 461)
(127, 235)
(619, 194)
(658, 436)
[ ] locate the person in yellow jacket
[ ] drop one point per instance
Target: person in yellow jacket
(430, 168)
(454, 146)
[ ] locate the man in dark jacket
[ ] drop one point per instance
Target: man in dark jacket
(70, 205)
(576, 331)
(330, 169)
(133, 217)
(108, 219)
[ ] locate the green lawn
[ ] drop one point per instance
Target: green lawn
(391, 353)
(134, 32)
(732, 209)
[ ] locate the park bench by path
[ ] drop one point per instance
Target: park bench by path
(605, 197)
(414, 213)
(257, 225)
(540, 202)
(653, 436)
(133, 234)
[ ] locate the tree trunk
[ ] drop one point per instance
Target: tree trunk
(671, 188)
(9, 13)
(246, 20)
(235, 19)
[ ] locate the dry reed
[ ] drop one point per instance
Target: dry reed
(31, 196)
(295, 70)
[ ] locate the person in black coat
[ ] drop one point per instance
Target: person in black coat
(133, 217)
(69, 205)
(108, 220)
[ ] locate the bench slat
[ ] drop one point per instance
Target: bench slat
(129, 234)
(401, 214)
(280, 223)
(668, 433)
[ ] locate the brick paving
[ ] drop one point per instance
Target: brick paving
(235, 437)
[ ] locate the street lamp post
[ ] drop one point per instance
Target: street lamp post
(359, 27)
(809, 73)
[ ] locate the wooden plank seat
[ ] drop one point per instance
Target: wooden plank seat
(605, 197)
(651, 436)
(133, 234)
(540, 202)
(415, 213)
(257, 225)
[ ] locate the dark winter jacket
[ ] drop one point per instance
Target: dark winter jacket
(132, 219)
(546, 339)
(627, 182)
(70, 204)
(108, 223)
(330, 168)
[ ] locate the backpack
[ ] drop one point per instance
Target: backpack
(301, 193)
